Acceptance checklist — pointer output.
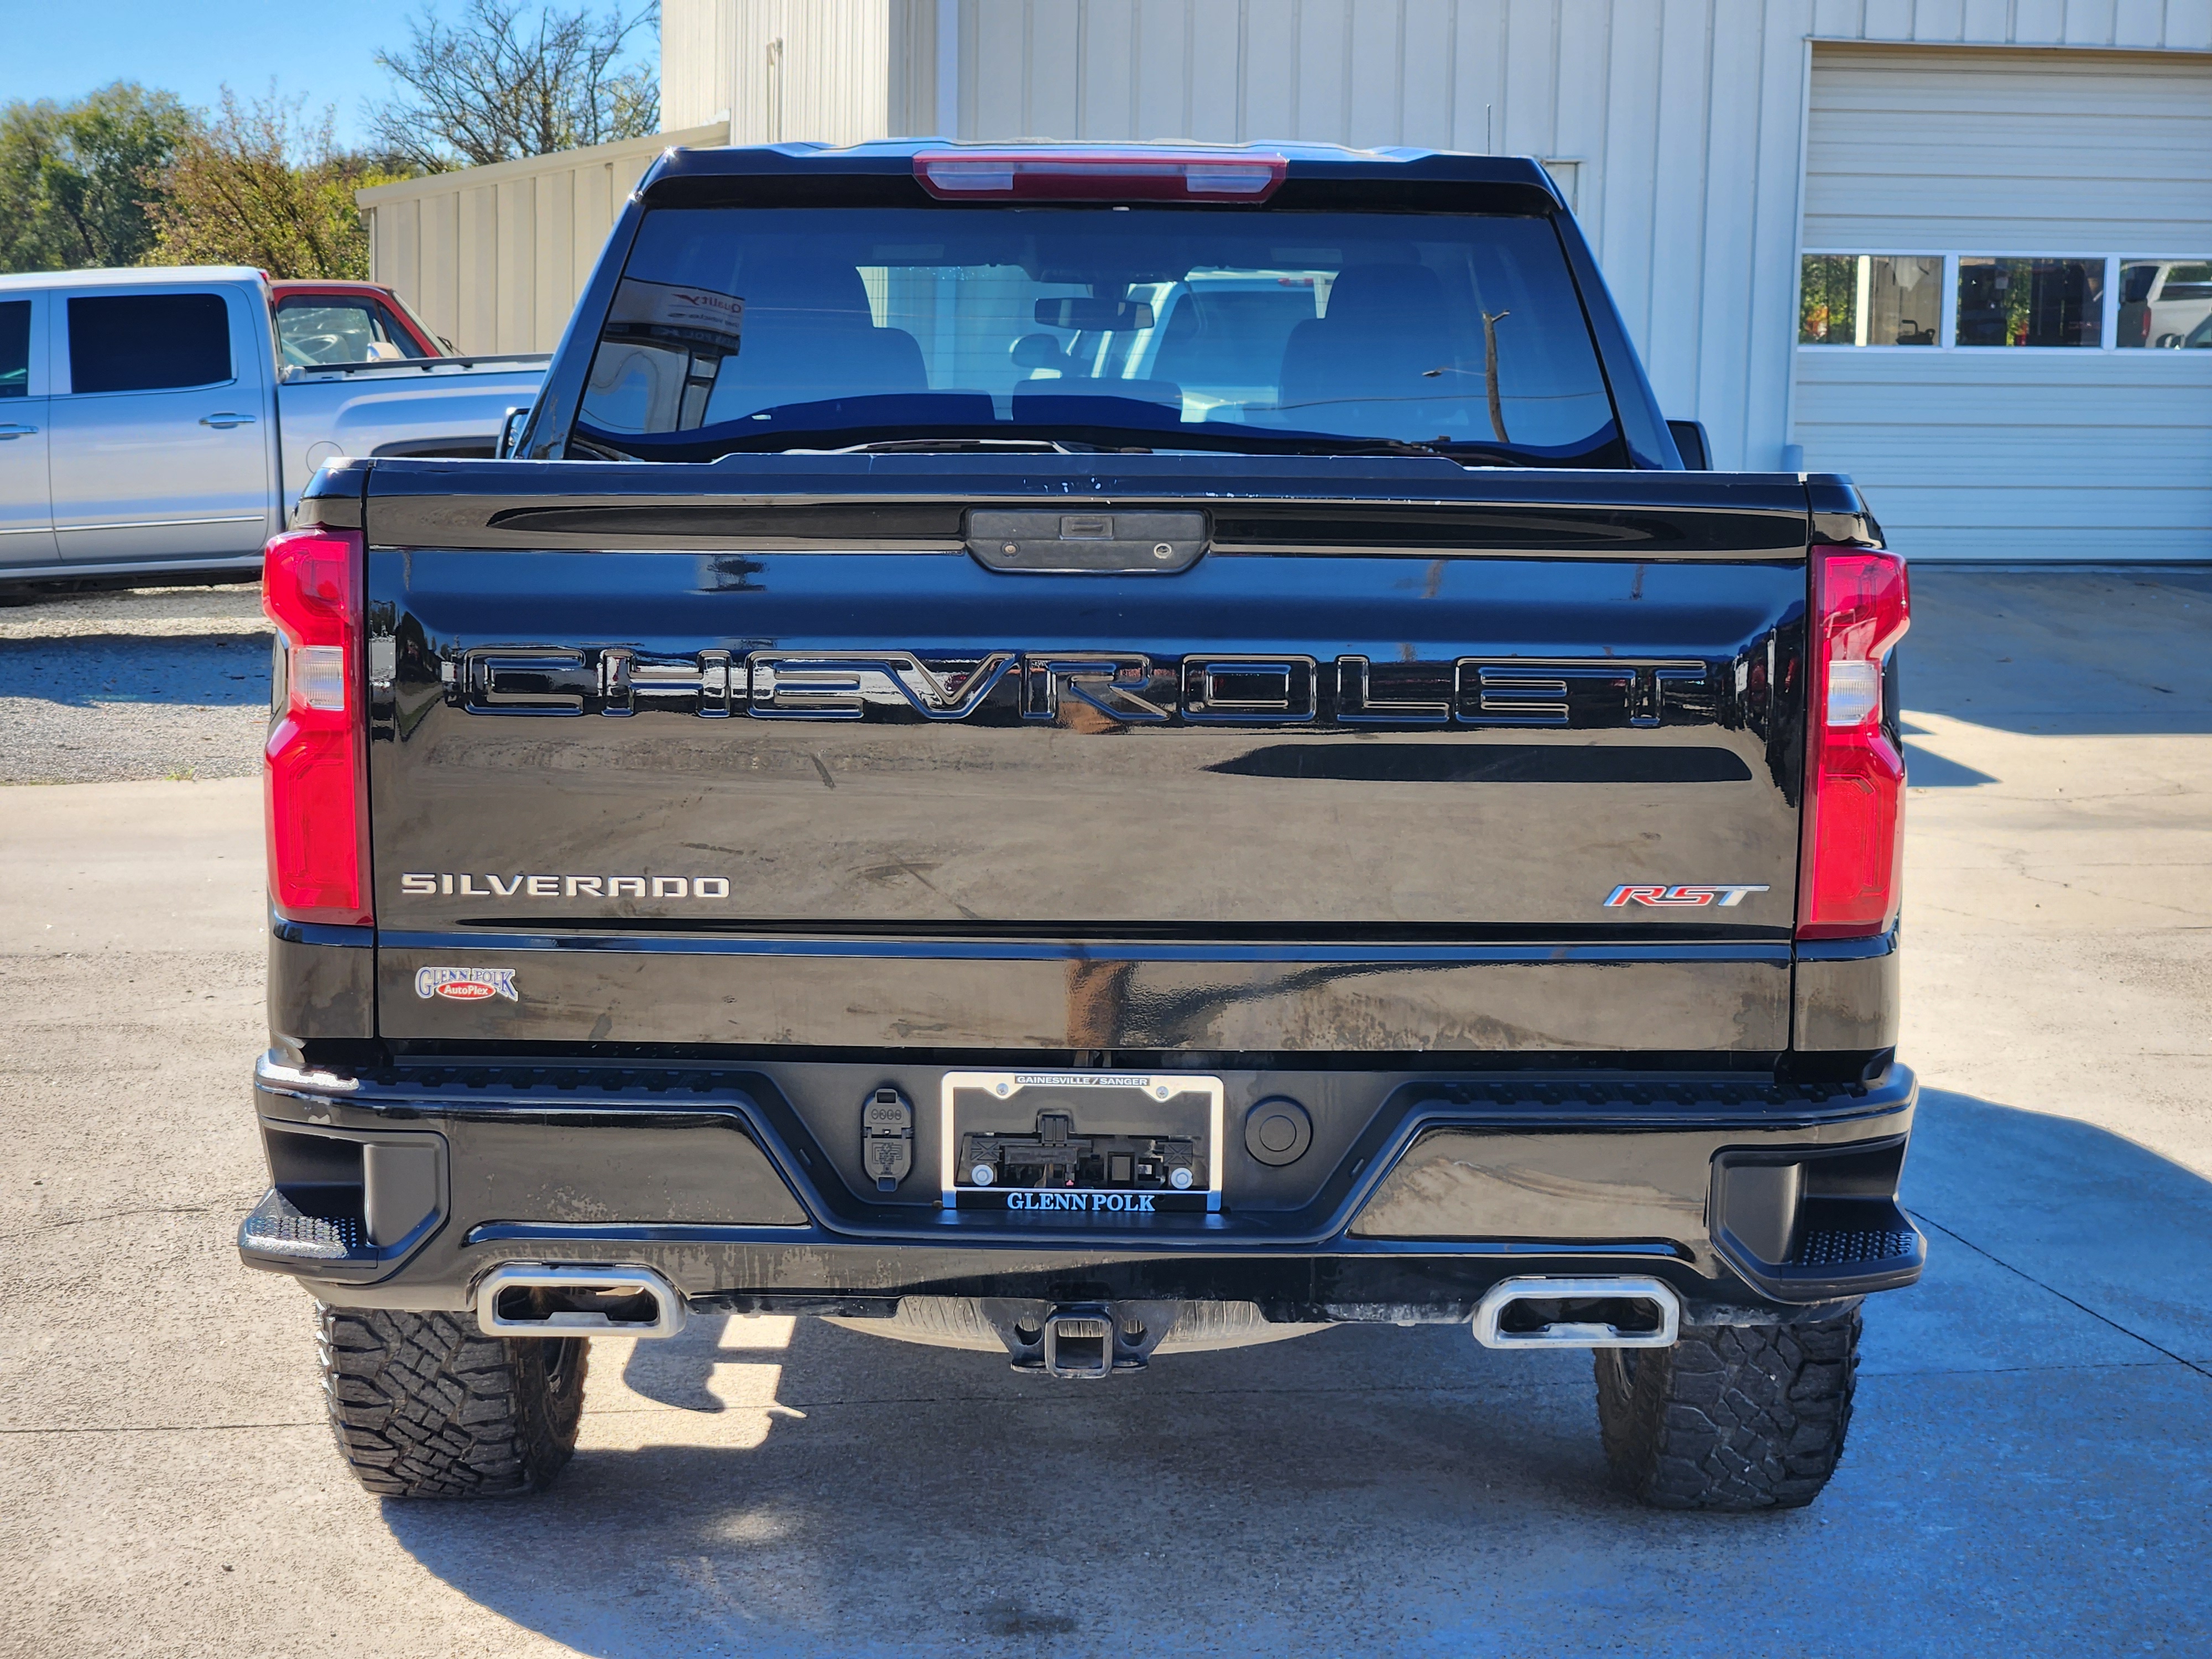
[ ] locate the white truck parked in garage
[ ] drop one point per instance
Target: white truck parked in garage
(149, 428)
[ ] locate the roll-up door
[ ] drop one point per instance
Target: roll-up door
(2005, 310)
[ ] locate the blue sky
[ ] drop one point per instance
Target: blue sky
(62, 48)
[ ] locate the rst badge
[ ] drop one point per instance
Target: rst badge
(1659, 896)
(465, 984)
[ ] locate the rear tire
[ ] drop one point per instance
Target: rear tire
(1732, 1417)
(427, 1405)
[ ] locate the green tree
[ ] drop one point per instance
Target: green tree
(1827, 297)
(73, 177)
(261, 185)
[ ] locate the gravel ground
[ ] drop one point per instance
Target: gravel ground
(160, 682)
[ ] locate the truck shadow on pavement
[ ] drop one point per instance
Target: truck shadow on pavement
(218, 670)
(1924, 769)
(2061, 652)
(2030, 1419)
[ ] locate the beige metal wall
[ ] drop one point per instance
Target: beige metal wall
(493, 258)
(697, 48)
(778, 70)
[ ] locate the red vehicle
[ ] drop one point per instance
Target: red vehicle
(330, 322)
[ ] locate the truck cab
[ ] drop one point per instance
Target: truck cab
(159, 424)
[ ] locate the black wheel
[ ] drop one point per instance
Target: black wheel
(1732, 1417)
(427, 1405)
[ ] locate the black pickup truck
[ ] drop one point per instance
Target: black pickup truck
(1084, 754)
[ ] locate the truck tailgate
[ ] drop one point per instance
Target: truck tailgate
(1493, 761)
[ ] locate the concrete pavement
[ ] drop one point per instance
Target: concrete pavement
(2029, 1470)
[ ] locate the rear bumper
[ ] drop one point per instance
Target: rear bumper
(404, 1187)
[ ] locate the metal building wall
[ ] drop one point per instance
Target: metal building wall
(697, 50)
(779, 70)
(921, 30)
(493, 258)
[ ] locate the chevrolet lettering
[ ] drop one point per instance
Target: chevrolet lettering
(1128, 685)
(1084, 754)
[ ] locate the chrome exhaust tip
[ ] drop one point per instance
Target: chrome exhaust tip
(1578, 1313)
(534, 1299)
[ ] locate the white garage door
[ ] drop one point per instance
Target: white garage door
(2005, 319)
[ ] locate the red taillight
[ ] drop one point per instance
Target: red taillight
(314, 764)
(1100, 175)
(1854, 843)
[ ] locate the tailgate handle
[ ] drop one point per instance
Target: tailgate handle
(1098, 542)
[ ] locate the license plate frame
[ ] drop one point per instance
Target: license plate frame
(1102, 1102)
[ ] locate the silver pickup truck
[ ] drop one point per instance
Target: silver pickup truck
(149, 426)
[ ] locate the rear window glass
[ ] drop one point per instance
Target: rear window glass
(2190, 281)
(2030, 302)
(15, 349)
(330, 328)
(147, 341)
(756, 329)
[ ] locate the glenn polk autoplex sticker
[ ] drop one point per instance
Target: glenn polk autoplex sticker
(465, 984)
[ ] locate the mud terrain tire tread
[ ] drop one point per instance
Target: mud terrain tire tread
(1732, 1417)
(427, 1405)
